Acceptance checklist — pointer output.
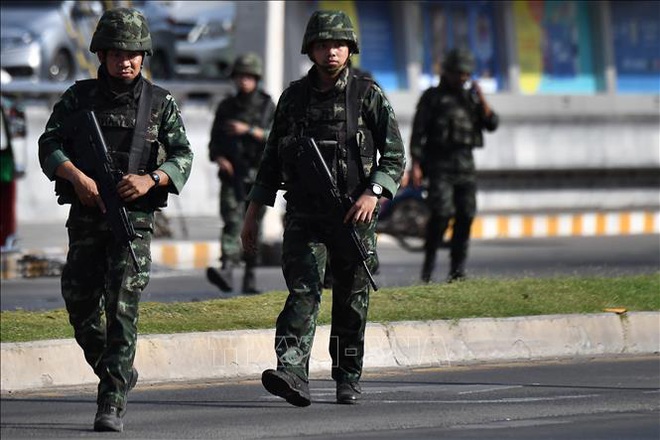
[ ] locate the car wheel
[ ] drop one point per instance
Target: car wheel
(61, 67)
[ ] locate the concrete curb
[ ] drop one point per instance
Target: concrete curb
(201, 254)
(45, 365)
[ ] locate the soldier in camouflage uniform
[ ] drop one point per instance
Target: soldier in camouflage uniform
(448, 124)
(238, 136)
(352, 122)
(99, 277)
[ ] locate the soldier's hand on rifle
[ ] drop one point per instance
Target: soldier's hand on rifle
(84, 186)
(88, 192)
(132, 186)
(363, 209)
(225, 166)
(238, 128)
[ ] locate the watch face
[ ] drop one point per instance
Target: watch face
(377, 189)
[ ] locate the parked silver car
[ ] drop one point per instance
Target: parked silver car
(204, 34)
(48, 40)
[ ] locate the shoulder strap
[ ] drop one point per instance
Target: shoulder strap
(300, 89)
(139, 155)
(84, 92)
(355, 90)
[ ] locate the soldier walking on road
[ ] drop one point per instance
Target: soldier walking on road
(448, 124)
(241, 126)
(146, 141)
(351, 120)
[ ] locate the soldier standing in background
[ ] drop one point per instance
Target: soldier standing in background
(448, 124)
(353, 123)
(240, 128)
(147, 142)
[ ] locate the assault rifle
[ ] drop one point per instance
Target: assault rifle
(311, 159)
(107, 177)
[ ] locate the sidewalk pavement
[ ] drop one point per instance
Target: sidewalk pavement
(47, 365)
(195, 241)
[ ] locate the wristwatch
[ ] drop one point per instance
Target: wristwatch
(377, 190)
(156, 178)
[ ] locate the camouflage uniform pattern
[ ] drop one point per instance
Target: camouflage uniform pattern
(98, 278)
(244, 152)
(249, 64)
(447, 125)
(330, 25)
(310, 237)
(122, 29)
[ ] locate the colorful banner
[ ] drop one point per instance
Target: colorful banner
(461, 24)
(554, 46)
(636, 32)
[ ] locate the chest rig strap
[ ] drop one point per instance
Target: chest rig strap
(139, 154)
(356, 88)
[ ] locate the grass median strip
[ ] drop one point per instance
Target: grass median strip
(475, 298)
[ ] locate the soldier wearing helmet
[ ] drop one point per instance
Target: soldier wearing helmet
(148, 147)
(238, 136)
(448, 124)
(353, 124)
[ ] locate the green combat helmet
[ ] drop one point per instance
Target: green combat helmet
(330, 25)
(248, 64)
(459, 60)
(122, 29)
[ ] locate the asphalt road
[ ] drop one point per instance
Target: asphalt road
(546, 257)
(604, 399)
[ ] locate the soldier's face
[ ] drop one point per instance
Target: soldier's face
(456, 78)
(245, 83)
(330, 55)
(125, 65)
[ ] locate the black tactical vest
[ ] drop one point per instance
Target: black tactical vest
(334, 119)
(456, 121)
(117, 119)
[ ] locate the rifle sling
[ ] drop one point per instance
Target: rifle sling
(139, 155)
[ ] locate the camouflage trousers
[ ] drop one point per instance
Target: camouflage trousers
(451, 195)
(101, 290)
(306, 246)
(232, 213)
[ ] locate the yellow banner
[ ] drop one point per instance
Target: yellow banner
(527, 18)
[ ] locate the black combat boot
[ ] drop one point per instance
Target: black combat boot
(348, 392)
(223, 278)
(250, 282)
(435, 231)
(108, 418)
(428, 266)
(457, 266)
(287, 386)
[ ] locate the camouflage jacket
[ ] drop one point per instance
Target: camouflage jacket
(166, 137)
(446, 127)
(375, 115)
(244, 152)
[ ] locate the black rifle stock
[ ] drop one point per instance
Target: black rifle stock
(312, 159)
(107, 177)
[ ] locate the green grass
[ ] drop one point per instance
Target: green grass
(474, 298)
